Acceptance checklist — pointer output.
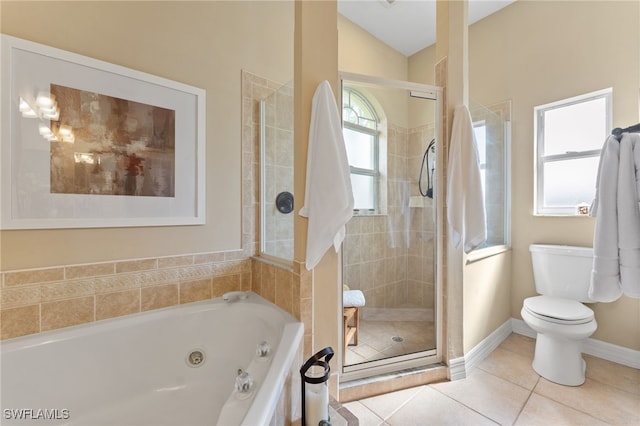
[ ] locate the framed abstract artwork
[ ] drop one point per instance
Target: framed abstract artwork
(89, 144)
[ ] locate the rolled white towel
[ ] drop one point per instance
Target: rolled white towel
(353, 299)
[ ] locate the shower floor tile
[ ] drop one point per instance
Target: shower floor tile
(384, 339)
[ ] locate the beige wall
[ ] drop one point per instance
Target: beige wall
(204, 44)
(361, 53)
(486, 297)
(538, 52)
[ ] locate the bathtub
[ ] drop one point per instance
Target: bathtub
(144, 370)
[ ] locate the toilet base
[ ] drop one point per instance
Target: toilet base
(559, 360)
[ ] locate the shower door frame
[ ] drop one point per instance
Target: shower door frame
(431, 356)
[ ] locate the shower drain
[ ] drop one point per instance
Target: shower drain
(397, 339)
(195, 358)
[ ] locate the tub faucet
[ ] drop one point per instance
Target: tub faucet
(232, 296)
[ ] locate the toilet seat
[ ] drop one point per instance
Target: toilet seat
(558, 310)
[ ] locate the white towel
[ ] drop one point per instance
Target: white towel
(328, 201)
(353, 298)
(629, 214)
(465, 201)
(616, 242)
(605, 276)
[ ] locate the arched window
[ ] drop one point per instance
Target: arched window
(361, 136)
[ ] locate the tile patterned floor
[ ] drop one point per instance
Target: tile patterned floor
(505, 390)
(375, 340)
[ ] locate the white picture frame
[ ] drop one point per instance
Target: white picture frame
(51, 178)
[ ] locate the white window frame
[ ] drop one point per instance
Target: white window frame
(540, 159)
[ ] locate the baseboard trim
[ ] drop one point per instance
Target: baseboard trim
(475, 356)
(459, 368)
(593, 347)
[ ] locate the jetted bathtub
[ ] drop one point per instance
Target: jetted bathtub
(174, 366)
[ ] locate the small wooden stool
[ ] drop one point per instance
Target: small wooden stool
(351, 330)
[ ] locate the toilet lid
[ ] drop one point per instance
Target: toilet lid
(557, 309)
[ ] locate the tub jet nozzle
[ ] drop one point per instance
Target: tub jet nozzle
(263, 350)
(244, 382)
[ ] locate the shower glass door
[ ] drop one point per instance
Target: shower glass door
(389, 252)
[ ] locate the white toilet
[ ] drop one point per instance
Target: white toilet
(562, 276)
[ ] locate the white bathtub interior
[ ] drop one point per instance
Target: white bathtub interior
(134, 370)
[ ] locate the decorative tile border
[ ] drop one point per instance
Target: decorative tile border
(44, 299)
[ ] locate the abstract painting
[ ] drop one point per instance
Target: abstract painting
(111, 146)
(91, 144)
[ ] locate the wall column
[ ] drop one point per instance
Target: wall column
(452, 73)
(315, 60)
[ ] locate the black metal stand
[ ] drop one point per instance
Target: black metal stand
(327, 354)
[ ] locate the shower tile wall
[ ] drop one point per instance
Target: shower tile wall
(279, 171)
(289, 288)
(278, 159)
(390, 257)
(422, 247)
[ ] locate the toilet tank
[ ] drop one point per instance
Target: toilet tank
(562, 271)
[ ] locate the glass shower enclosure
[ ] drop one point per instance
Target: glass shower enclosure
(389, 252)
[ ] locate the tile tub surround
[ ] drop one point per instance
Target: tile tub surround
(36, 300)
(289, 288)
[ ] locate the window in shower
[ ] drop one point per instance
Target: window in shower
(361, 136)
(569, 136)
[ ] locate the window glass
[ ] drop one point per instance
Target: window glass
(360, 131)
(363, 192)
(360, 149)
(357, 110)
(570, 182)
(569, 136)
(575, 127)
